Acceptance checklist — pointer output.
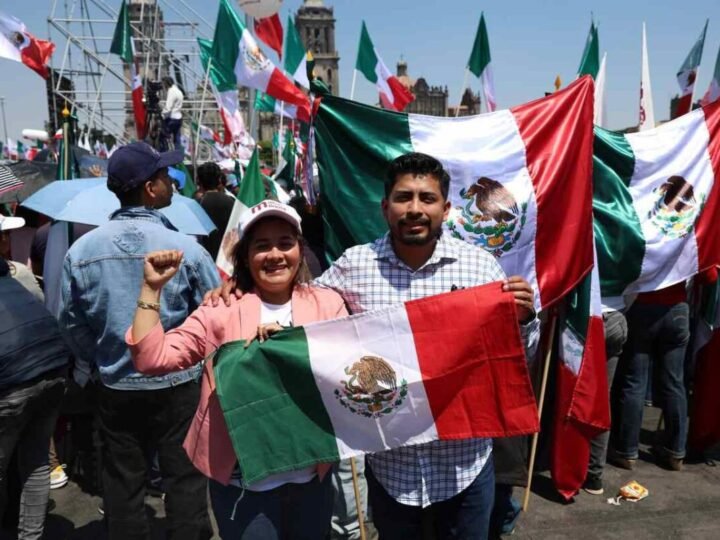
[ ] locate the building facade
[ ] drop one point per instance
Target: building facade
(316, 24)
(431, 100)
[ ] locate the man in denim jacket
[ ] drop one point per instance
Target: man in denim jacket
(137, 413)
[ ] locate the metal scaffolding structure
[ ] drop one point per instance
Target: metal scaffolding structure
(94, 83)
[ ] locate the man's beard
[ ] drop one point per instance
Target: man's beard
(418, 239)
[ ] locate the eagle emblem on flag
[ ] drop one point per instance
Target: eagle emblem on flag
(254, 58)
(491, 218)
(676, 208)
(371, 389)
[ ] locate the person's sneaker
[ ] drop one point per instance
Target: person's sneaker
(619, 461)
(593, 485)
(58, 478)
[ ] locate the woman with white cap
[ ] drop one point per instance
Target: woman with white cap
(270, 269)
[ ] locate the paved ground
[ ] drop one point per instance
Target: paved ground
(681, 505)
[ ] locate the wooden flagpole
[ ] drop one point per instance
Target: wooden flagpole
(541, 402)
(358, 502)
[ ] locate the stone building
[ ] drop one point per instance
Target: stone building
(469, 104)
(431, 100)
(316, 24)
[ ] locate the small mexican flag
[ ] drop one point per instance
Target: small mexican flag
(251, 192)
(393, 95)
(266, 103)
(17, 44)
(590, 61)
(377, 381)
(688, 73)
(123, 45)
(656, 203)
(479, 64)
(236, 50)
(713, 91)
(295, 62)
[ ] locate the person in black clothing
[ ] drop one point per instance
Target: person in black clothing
(217, 202)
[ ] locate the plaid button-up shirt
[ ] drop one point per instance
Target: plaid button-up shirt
(371, 277)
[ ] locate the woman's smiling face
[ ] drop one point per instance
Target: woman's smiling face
(274, 255)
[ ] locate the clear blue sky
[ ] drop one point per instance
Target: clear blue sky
(531, 42)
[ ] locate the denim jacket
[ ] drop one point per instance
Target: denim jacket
(101, 281)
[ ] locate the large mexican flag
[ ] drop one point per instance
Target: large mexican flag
(656, 203)
(520, 179)
(376, 381)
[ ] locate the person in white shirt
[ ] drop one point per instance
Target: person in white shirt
(172, 111)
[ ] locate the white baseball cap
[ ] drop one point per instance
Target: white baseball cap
(266, 209)
(8, 223)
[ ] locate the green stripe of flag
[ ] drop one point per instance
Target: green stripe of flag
(379, 137)
(618, 232)
(366, 58)
(272, 406)
(590, 61)
(122, 37)
(294, 49)
(221, 77)
(480, 55)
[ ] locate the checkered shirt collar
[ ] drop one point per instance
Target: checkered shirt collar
(445, 250)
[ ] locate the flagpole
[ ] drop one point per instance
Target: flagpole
(358, 503)
(352, 88)
(97, 95)
(464, 85)
(541, 402)
(199, 121)
(282, 110)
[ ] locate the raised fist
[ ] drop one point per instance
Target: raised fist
(161, 266)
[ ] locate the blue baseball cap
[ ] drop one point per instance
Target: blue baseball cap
(135, 163)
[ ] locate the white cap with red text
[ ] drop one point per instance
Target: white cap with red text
(266, 209)
(8, 223)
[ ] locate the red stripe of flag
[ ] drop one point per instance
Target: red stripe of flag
(558, 136)
(270, 31)
(282, 88)
(707, 237)
(476, 381)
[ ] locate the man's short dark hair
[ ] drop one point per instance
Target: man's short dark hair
(417, 164)
(210, 175)
(168, 81)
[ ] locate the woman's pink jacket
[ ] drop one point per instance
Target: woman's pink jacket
(207, 442)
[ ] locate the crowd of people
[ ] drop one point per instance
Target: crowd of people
(143, 310)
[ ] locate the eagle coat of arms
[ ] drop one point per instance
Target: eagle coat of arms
(677, 207)
(371, 389)
(496, 221)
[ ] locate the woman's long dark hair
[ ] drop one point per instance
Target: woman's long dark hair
(241, 271)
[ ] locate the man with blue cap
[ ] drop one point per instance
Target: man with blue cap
(137, 413)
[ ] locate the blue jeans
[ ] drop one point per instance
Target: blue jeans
(616, 333)
(506, 510)
(288, 512)
(661, 333)
(462, 517)
(27, 420)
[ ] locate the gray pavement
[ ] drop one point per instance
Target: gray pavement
(681, 505)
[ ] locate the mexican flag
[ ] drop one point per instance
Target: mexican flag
(224, 89)
(17, 44)
(251, 192)
(590, 61)
(393, 95)
(582, 410)
(122, 45)
(688, 73)
(206, 133)
(235, 50)
(656, 203)
(295, 63)
(713, 91)
(479, 64)
(520, 180)
(266, 103)
(704, 429)
(376, 381)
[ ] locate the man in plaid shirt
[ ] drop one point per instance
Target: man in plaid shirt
(413, 260)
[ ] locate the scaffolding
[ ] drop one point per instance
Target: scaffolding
(94, 83)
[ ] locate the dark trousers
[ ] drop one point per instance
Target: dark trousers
(27, 420)
(171, 129)
(288, 512)
(616, 332)
(466, 516)
(661, 333)
(130, 423)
